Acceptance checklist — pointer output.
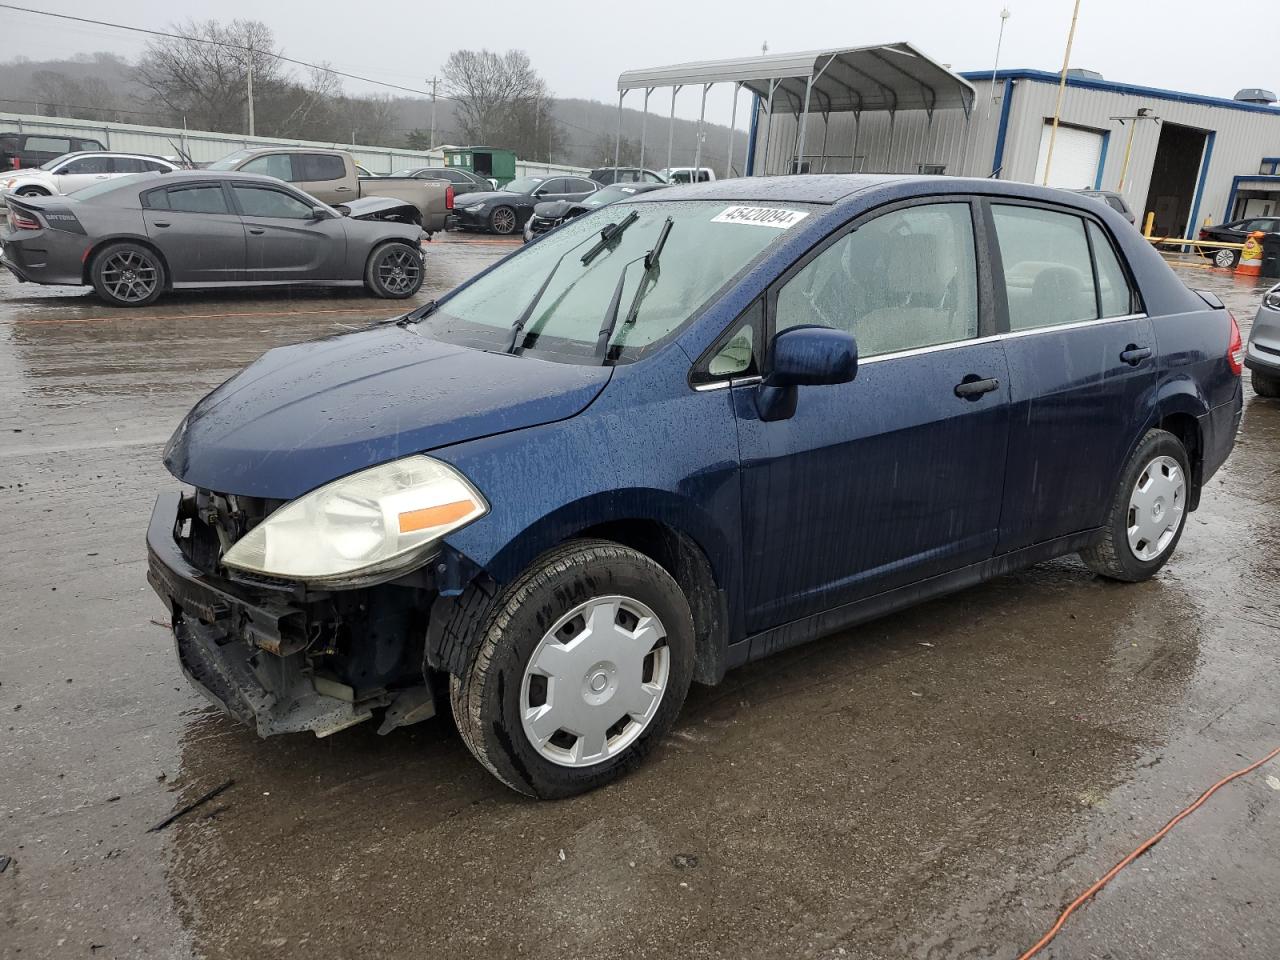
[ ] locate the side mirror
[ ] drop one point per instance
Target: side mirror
(319, 213)
(804, 356)
(812, 356)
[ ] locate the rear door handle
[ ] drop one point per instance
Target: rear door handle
(257, 230)
(973, 387)
(341, 189)
(161, 224)
(1134, 354)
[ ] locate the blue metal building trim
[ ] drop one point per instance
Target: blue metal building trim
(1193, 225)
(1045, 76)
(1102, 159)
(997, 160)
(1270, 179)
(751, 137)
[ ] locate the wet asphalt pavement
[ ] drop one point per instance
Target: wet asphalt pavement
(937, 784)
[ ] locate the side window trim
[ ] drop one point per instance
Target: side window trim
(700, 376)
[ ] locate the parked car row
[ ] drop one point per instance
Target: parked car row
(506, 211)
(552, 213)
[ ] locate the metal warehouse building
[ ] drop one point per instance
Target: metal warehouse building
(890, 108)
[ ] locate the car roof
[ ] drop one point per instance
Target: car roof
(833, 188)
(113, 153)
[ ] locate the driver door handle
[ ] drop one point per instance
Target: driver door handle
(972, 387)
(257, 230)
(1134, 354)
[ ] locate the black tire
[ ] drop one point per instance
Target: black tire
(1264, 384)
(32, 192)
(1113, 557)
(394, 271)
(505, 633)
(1225, 258)
(128, 275)
(503, 220)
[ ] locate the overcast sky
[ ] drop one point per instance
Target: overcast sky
(1197, 47)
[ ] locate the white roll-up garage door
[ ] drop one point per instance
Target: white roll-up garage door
(1075, 157)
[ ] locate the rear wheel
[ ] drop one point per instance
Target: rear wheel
(502, 220)
(1225, 258)
(394, 271)
(582, 665)
(1148, 512)
(1264, 384)
(127, 275)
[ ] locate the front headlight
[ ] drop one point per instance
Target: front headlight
(1271, 298)
(370, 526)
(474, 208)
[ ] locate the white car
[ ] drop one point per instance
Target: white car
(686, 175)
(72, 171)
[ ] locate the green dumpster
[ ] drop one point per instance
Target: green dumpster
(492, 162)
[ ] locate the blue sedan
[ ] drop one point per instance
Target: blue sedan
(678, 434)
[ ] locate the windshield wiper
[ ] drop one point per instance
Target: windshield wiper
(418, 315)
(615, 303)
(609, 234)
(518, 327)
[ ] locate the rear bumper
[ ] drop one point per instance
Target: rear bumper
(1263, 350)
(44, 256)
(1219, 428)
(223, 640)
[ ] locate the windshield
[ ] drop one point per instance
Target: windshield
(229, 161)
(406, 172)
(54, 162)
(710, 243)
(524, 184)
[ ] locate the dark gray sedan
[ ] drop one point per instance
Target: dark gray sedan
(135, 237)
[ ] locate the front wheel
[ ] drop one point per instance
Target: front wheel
(394, 271)
(1264, 384)
(502, 220)
(1148, 512)
(582, 665)
(32, 192)
(127, 275)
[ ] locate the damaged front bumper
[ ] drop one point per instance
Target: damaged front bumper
(256, 656)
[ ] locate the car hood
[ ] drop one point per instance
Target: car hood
(490, 196)
(306, 414)
(554, 209)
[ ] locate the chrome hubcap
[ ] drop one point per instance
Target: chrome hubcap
(1156, 507)
(595, 681)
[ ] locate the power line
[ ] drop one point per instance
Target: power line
(217, 43)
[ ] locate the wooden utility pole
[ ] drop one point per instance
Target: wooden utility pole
(432, 143)
(1062, 87)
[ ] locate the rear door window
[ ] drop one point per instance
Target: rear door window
(196, 198)
(317, 167)
(1048, 273)
(904, 280)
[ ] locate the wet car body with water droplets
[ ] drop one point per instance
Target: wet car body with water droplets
(675, 435)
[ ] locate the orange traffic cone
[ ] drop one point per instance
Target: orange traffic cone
(1250, 264)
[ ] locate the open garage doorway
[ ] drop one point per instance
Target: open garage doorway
(1174, 178)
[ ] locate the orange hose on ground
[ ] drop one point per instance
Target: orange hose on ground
(1143, 848)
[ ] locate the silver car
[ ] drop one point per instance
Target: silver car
(1263, 354)
(135, 237)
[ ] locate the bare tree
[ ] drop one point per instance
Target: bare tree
(501, 101)
(59, 95)
(203, 75)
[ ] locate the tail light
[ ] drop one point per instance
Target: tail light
(1235, 349)
(448, 198)
(22, 219)
(1204, 234)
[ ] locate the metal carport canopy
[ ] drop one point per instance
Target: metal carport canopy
(894, 76)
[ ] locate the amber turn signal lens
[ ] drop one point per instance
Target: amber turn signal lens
(429, 517)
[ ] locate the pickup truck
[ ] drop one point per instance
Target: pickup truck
(331, 177)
